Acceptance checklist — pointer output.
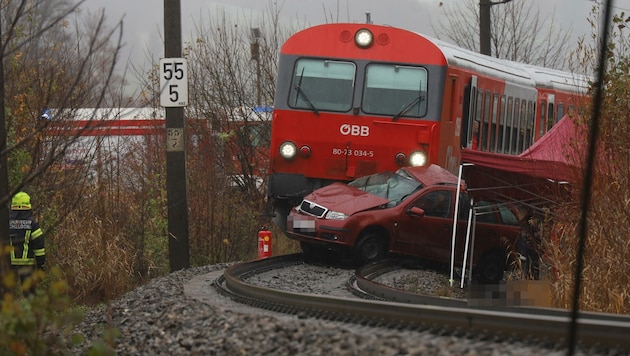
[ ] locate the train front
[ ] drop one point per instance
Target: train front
(352, 100)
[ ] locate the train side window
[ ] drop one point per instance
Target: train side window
(529, 125)
(502, 125)
(470, 98)
(493, 126)
(523, 127)
(486, 125)
(479, 105)
(560, 113)
(322, 85)
(550, 116)
(515, 123)
(542, 122)
(507, 129)
(395, 90)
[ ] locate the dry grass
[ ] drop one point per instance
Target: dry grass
(605, 279)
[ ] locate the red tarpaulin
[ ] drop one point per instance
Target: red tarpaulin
(539, 171)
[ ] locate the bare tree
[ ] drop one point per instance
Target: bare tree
(53, 58)
(231, 70)
(519, 32)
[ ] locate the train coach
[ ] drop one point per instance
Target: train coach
(356, 99)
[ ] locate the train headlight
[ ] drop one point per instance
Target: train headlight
(363, 38)
(418, 158)
(288, 150)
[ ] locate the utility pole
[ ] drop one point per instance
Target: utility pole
(255, 55)
(485, 33)
(174, 96)
(5, 260)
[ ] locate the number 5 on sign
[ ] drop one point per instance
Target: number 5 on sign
(173, 82)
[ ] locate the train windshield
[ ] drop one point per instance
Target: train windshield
(320, 84)
(395, 90)
(394, 187)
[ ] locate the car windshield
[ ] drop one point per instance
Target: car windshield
(394, 187)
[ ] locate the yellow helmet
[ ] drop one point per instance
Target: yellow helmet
(21, 201)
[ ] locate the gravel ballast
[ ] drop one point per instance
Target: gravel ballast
(181, 314)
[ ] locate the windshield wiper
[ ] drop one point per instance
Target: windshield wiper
(408, 107)
(300, 91)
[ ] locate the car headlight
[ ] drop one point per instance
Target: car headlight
(335, 215)
(288, 150)
(418, 158)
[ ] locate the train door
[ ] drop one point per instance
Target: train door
(470, 102)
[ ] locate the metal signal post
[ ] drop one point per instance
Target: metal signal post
(485, 33)
(174, 96)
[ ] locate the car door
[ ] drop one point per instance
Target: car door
(428, 236)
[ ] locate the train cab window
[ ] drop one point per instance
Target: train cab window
(322, 85)
(395, 90)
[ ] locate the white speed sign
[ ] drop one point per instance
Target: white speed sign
(173, 82)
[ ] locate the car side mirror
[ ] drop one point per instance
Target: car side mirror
(415, 211)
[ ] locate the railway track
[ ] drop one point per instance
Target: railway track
(380, 305)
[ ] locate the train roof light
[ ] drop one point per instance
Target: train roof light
(364, 38)
(288, 150)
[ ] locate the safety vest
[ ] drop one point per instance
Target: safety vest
(26, 240)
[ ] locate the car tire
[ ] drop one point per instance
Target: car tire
(371, 247)
(490, 268)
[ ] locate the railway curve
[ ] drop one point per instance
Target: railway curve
(389, 307)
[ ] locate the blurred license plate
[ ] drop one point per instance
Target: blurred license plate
(302, 222)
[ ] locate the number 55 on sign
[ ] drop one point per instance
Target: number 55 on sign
(173, 82)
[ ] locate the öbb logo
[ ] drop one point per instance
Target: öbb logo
(354, 130)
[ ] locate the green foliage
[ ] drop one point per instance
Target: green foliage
(42, 322)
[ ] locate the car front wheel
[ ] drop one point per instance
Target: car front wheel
(371, 247)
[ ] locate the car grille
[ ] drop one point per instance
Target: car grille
(313, 209)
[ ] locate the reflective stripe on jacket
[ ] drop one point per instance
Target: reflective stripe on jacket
(26, 239)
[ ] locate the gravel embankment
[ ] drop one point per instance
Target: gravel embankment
(181, 314)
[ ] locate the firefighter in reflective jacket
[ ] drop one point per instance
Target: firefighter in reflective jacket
(26, 238)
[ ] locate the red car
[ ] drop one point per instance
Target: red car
(409, 212)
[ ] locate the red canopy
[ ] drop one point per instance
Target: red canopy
(538, 172)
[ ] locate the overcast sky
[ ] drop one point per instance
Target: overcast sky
(143, 19)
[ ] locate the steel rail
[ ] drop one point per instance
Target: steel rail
(535, 323)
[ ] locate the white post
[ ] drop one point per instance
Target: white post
(455, 218)
(470, 216)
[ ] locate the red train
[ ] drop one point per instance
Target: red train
(355, 99)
